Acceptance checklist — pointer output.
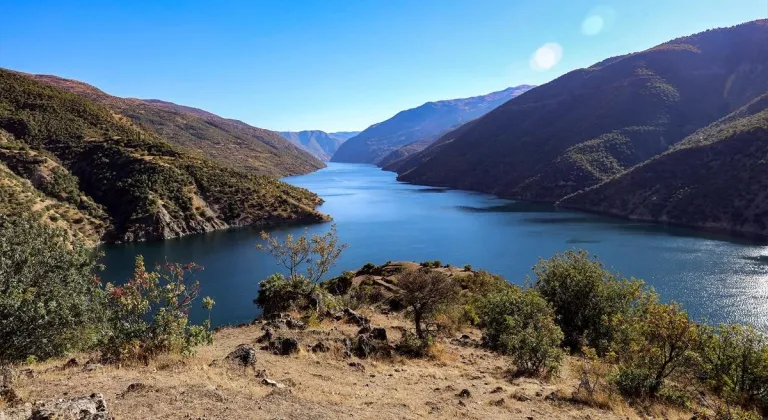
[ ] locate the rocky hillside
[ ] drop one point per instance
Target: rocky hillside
(226, 141)
(321, 144)
(423, 123)
(595, 123)
(715, 178)
(101, 175)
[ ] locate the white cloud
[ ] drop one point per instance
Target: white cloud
(547, 56)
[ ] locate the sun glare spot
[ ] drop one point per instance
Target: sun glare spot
(598, 20)
(547, 56)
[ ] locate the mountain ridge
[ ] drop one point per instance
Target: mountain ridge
(319, 143)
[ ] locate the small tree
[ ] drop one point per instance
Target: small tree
(307, 260)
(149, 314)
(651, 344)
(51, 300)
(425, 293)
(585, 297)
(520, 324)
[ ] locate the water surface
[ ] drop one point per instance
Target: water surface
(715, 277)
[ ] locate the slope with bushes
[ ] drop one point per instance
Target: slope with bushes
(593, 124)
(75, 151)
(226, 141)
(716, 178)
(425, 123)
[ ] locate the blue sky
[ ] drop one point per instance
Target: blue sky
(335, 64)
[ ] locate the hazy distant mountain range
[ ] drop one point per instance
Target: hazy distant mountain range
(676, 133)
(423, 124)
(321, 144)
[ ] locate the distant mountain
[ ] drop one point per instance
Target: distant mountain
(592, 125)
(424, 123)
(321, 144)
(72, 162)
(229, 142)
(715, 178)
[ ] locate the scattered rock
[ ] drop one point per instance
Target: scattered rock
(364, 330)
(498, 403)
(379, 333)
(320, 347)
(356, 318)
(270, 382)
(243, 355)
(261, 373)
(462, 403)
(464, 393)
(134, 387)
(266, 337)
(284, 346)
(295, 324)
(84, 408)
(71, 363)
(497, 390)
(357, 365)
(91, 366)
(520, 397)
(363, 347)
(552, 396)
(23, 412)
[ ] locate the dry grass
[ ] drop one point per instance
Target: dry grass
(320, 385)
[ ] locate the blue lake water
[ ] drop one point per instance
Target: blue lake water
(715, 277)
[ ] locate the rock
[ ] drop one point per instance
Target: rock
(261, 373)
(266, 337)
(243, 355)
(363, 347)
(497, 390)
(285, 346)
(498, 403)
(552, 396)
(464, 393)
(9, 396)
(320, 347)
(521, 397)
(379, 333)
(71, 363)
(90, 366)
(357, 365)
(270, 382)
(84, 408)
(462, 403)
(364, 330)
(356, 318)
(295, 324)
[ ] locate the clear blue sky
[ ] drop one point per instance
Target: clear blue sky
(335, 64)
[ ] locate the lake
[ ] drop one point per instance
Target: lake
(715, 277)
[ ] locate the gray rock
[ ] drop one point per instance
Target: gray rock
(84, 408)
(243, 355)
(270, 382)
(379, 333)
(284, 346)
(320, 347)
(464, 393)
(355, 317)
(17, 413)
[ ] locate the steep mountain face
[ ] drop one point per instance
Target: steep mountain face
(321, 144)
(73, 162)
(226, 141)
(424, 123)
(715, 178)
(593, 124)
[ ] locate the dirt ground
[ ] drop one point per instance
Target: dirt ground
(319, 385)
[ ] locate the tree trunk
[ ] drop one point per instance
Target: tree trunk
(417, 321)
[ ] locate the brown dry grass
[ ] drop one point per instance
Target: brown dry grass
(321, 385)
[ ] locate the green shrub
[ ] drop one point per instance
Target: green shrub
(467, 267)
(411, 345)
(734, 362)
(368, 268)
(426, 293)
(585, 297)
(520, 324)
(651, 344)
(51, 301)
(149, 315)
(278, 294)
(339, 285)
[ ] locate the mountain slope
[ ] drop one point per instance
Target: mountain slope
(321, 144)
(78, 154)
(229, 142)
(426, 122)
(715, 178)
(592, 124)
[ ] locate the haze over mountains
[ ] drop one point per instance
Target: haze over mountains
(423, 124)
(321, 144)
(592, 125)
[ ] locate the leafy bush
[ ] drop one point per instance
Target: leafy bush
(149, 315)
(432, 264)
(426, 293)
(467, 267)
(734, 361)
(411, 345)
(339, 285)
(651, 344)
(585, 297)
(50, 298)
(520, 324)
(278, 294)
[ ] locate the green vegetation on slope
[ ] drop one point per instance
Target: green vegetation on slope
(594, 123)
(228, 142)
(148, 188)
(715, 178)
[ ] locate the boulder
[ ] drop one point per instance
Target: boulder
(356, 318)
(284, 346)
(84, 408)
(295, 324)
(320, 347)
(266, 337)
(243, 355)
(464, 393)
(379, 333)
